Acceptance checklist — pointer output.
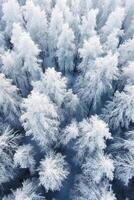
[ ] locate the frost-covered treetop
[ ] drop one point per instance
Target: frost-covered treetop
(53, 85)
(53, 171)
(40, 118)
(119, 112)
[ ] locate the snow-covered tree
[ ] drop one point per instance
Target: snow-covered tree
(84, 7)
(91, 49)
(45, 5)
(22, 63)
(40, 119)
(122, 150)
(119, 112)
(92, 135)
(66, 78)
(124, 168)
(70, 132)
(88, 25)
(53, 171)
(24, 157)
(88, 136)
(11, 14)
(36, 23)
(97, 167)
(9, 101)
(8, 143)
(115, 20)
(126, 51)
(86, 189)
(67, 14)
(27, 51)
(55, 29)
(98, 81)
(128, 72)
(71, 105)
(54, 85)
(28, 191)
(105, 9)
(113, 40)
(107, 194)
(66, 49)
(129, 20)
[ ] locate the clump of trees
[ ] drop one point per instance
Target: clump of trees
(66, 99)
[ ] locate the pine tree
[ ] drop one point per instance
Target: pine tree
(9, 101)
(54, 85)
(92, 135)
(97, 167)
(88, 25)
(118, 113)
(55, 27)
(66, 49)
(91, 49)
(39, 121)
(97, 81)
(128, 73)
(53, 171)
(8, 143)
(11, 14)
(126, 51)
(122, 149)
(36, 24)
(46, 5)
(28, 191)
(22, 63)
(24, 157)
(115, 19)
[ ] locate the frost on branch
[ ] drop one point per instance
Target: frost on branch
(53, 171)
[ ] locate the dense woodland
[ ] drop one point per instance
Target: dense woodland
(66, 99)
